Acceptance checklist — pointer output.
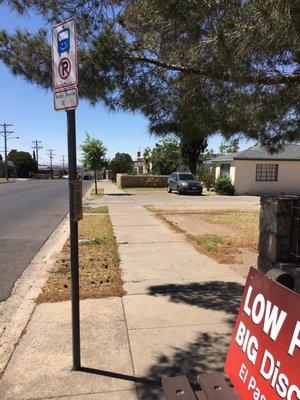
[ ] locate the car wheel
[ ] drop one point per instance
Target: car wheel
(169, 189)
(178, 190)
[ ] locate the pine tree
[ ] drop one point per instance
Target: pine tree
(241, 56)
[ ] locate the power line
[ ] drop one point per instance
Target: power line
(7, 135)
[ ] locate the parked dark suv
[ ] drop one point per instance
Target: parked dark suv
(184, 182)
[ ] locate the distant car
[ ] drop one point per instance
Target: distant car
(86, 177)
(184, 182)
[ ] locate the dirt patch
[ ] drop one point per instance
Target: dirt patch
(144, 190)
(194, 224)
(99, 272)
(228, 236)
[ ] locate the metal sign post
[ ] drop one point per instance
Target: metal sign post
(64, 64)
(74, 239)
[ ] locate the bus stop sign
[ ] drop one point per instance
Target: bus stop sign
(64, 55)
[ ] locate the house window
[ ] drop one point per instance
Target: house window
(224, 169)
(266, 172)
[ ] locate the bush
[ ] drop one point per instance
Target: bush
(224, 186)
(208, 178)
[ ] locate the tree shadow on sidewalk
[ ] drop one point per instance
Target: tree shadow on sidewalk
(206, 354)
(214, 295)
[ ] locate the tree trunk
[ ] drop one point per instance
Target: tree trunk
(193, 160)
(191, 148)
(95, 179)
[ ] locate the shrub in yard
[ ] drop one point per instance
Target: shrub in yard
(208, 178)
(224, 186)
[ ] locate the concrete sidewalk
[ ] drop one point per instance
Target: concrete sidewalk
(176, 318)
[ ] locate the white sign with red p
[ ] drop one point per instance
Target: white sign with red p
(64, 63)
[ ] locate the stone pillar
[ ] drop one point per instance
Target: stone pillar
(276, 237)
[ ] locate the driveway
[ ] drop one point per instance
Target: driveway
(163, 200)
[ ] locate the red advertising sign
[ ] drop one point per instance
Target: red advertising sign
(263, 361)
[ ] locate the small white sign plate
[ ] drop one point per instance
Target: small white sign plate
(66, 99)
(64, 55)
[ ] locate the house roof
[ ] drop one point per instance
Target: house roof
(224, 157)
(290, 152)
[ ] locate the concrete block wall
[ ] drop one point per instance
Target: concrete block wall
(140, 181)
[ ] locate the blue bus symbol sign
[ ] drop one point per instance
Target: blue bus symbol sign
(63, 41)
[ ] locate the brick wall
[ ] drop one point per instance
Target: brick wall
(135, 181)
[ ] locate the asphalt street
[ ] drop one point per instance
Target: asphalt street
(29, 213)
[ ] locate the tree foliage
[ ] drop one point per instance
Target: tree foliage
(223, 185)
(93, 156)
(166, 157)
(230, 147)
(207, 177)
(237, 59)
(121, 164)
(25, 165)
(147, 159)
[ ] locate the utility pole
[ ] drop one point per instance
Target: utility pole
(51, 156)
(63, 161)
(36, 148)
(6, 134)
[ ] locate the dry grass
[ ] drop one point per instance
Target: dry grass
(99, 272)
(221, 249)
(244, 226)
(96, 210)
(100, 192)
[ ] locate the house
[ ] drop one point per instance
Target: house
(222, 164)
(257, 172)
(138, 164)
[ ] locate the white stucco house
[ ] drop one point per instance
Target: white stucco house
(257, 172)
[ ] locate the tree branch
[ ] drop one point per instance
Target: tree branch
(280, 78)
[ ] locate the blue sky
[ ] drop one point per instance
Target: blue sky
(30, 110)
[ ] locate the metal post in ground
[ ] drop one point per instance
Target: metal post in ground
(74, 240)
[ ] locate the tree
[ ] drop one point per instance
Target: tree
(147, 159)
(25, 165)
(1, 157)
(166, 156)
(93, 156)
(224, 186)
(121, 164)
(191, 149)
(130, 51)
(191, 122)
(231, 147)
(208, 154)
